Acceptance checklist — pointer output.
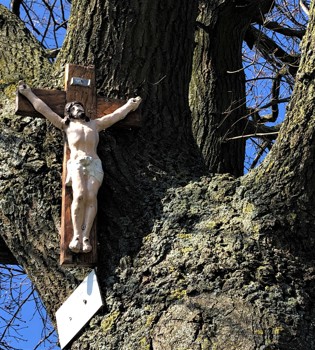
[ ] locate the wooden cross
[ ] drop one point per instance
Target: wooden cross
(79, 86)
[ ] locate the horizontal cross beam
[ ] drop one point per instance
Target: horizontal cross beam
(56, 100)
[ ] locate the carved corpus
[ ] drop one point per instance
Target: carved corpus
(79, 86)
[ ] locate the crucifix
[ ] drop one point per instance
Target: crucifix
(80, 114)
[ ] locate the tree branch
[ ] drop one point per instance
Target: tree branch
(15, 7)
(276, 27)
(270, 50)
(305, 8)
(275, 90)
(262, 149)
(253, 129)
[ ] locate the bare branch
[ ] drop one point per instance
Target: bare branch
(262, 150)
(52, 53)
(304, 7)
(15, 6)
(258, 135)
(281, 29)
(14, 316)
(275, 90)
(271, 51)
(43, 340)
(253, 129)
(275, 101)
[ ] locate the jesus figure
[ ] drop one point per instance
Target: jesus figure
(84, 167)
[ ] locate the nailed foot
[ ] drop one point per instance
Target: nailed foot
(74, 245)
(86, 248)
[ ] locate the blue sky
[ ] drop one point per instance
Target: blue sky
(27, 328)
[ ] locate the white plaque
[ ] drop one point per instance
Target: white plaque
(78, 309)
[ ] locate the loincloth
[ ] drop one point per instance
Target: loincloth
(87, 165)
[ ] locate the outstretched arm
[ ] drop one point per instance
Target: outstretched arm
(120, 113)
(40, 106)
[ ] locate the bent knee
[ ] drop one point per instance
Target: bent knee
(91, 200)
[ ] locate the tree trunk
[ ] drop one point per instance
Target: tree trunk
(187, 260)
(217, 89)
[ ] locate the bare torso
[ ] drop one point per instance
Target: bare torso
(82, 139)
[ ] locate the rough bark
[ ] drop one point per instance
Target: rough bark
(19, 59)
(187, 260)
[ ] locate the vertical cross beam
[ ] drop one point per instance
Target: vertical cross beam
(79, 86)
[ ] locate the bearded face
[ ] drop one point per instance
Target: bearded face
(75, 110)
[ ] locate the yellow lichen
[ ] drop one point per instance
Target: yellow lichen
(291, 217)
(204, 343)
(109, 321)
(150, 320)
(171, 268)
(10, 91)
(248, 208)
(184, 235)
(208, 225)
(269, 166)
(277, 330)
(187, 250)
(178, 294)
(144, 344)
(211, 225)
